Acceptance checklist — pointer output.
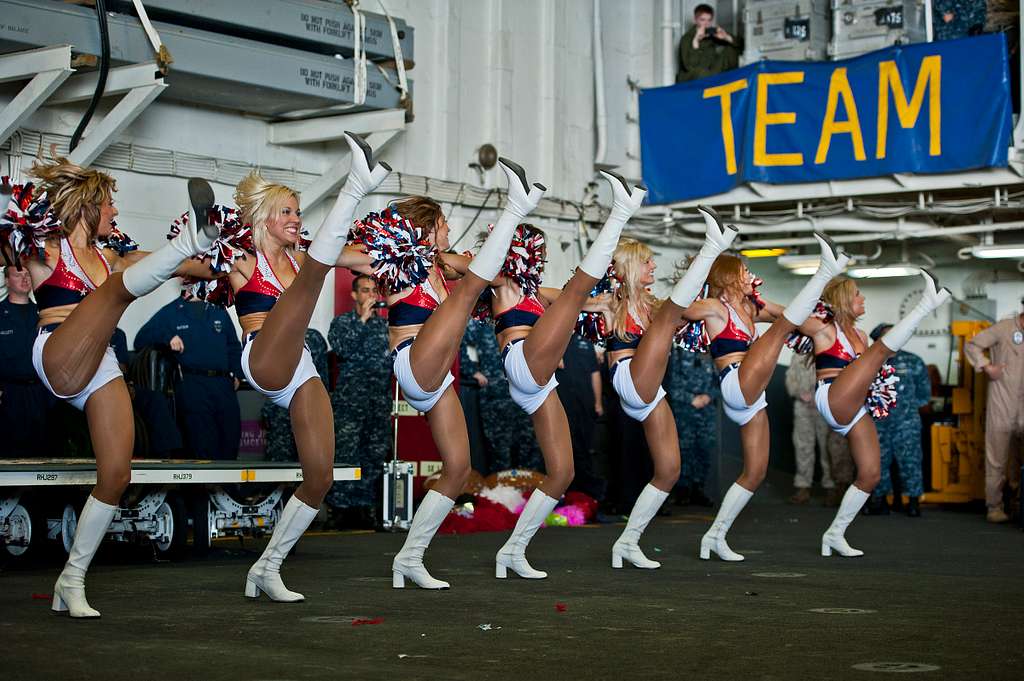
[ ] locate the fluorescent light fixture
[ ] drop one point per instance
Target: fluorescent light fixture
(799, 262)
(762, 252)
(883, 271)
(804, 271)
(998, 251)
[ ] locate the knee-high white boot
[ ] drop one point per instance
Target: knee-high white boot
(195, 238)
(627, 546)
(522, 198)
(363, 178)
(265, 574)
(896, 337)
(626, 202)
(409, 561)
(69, 591)
(834, 539)
(714, 539)
(832, 263)
(513, 553)
(717, 239)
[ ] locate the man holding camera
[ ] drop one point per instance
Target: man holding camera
(706, 49)
(362, 403)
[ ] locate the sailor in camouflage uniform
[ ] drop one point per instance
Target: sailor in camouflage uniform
(692, 385)
(899, 434)
(362, 399)
(280, 443)
(507, 428)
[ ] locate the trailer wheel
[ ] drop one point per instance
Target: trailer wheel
(68, 525)
(173, 519)
(25, 533)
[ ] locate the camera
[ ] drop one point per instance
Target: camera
(710, 32)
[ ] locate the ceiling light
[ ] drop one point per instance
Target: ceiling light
(762, 252)
(884, 271)
(998, 251)
(804, 271)
(797, 262)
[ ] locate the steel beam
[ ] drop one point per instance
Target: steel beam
(46, 68)
(120, 80)
(100, 136)
(209, 68)
(334, 127)
(313, 25)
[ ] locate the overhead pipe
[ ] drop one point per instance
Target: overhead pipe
(668, 73)
(600, 109)
(862, 238)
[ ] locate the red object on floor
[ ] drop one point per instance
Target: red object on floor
(488, 516)
(359, 623)
(584, 501)
(561, 607)
(42, 597)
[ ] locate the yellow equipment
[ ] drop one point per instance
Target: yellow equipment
(958, 451)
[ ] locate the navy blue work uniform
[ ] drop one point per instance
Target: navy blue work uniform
(24, 400)
(205, 396)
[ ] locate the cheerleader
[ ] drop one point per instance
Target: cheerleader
(847, 370)
(86, 273)
(641, 333)
(746, 363)
(534, 326)
(274, 293)
(404, 247)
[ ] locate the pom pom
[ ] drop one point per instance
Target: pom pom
(574, 515)
(232, 243)
(402, 256)
(524, 263)
(118, 241)
(882, 394)
(755, 296)
(693, 336)
(801, 344)
(592, 325)
(28, 221)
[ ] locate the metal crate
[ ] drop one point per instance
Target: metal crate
(793, 30)
(861, 26)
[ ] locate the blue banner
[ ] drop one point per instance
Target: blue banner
(927, 108)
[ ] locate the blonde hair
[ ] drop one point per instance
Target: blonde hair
(726, 277)
(631, 296)
(839, 295)
(76, 194)
(258, 199)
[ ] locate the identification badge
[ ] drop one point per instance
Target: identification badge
(1018, 337)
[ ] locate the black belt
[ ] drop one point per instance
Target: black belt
(398, 348)
(209, 373)
(726, 369)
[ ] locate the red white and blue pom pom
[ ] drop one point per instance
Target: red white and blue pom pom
(882, 393)
(233, 243)
(28, 221)
(803, 345)
(118, 241)
(592, 325)
(402, 256)
(755, 296)
(524, 263)
(693, 335)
